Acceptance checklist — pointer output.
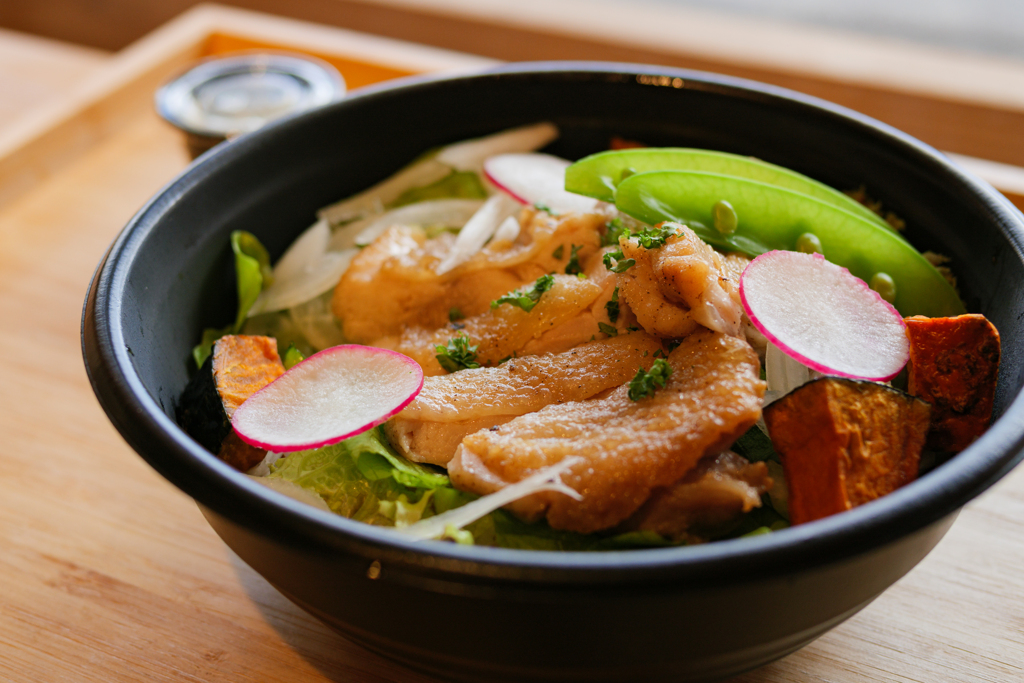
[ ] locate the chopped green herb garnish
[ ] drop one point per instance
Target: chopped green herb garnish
(644, 384)
(292, 357)
(608, 329)
(559, 252)
(616, 262)
(528, 299)
(573, 267)
(455, 314)
(543, 207)
(458, 354)
(652, 238)
(613, 306)
(613, 231)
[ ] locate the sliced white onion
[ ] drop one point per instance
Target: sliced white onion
(508, 230)
(315, 320)
(263, 469)
(307, 248)
(371, 201)
(478, 230)
(784, 373)
(293, 490)
(470, 155)
(317, 277)
(449, 213)
(547, 479)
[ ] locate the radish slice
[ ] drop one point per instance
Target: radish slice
(329, 397)
(824, 317)
(537, 179)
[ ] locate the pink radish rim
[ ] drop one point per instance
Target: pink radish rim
(799, 357)
(502, 187)
(357, 348)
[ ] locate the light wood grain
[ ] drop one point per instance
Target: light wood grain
(39, 71)
(108, 573)
(103, 103)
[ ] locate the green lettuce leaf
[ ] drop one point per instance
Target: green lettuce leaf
(364, 479)
(252, 275)
(455, 185)
(202, 350)
(252, 270)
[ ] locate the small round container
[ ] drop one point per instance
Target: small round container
(226, 96)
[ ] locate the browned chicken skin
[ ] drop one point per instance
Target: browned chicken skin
(628, 448)
(684, 284)
(566, 392)
(453, 406)
(393, 284)
(498, 332)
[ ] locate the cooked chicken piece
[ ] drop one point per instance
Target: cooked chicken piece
(499, 332)
(706, 501)
(628, 448)
(390, 284)
(435, 442)
(393, 283)
(453, 406)
(546, 241)
(588, 324)
(734, 263)
(680, 285)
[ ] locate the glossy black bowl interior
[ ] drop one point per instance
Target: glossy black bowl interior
(466, 612)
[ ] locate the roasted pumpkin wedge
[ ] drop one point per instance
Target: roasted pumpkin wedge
(239, 366)
(954, 363)
(844, 443)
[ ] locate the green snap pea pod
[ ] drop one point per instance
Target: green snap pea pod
(770, 217)
(599, 174)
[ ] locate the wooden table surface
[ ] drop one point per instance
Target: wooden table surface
(109, 573)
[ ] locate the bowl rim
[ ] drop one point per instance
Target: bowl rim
(218, 488)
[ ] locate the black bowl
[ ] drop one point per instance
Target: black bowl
(684, 613)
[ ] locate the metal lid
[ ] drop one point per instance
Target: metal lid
(227, 96)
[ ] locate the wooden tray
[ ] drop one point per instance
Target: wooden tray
(108, 573)
(121, 92)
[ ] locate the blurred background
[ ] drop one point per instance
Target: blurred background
(993, 27)
(950, 72)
